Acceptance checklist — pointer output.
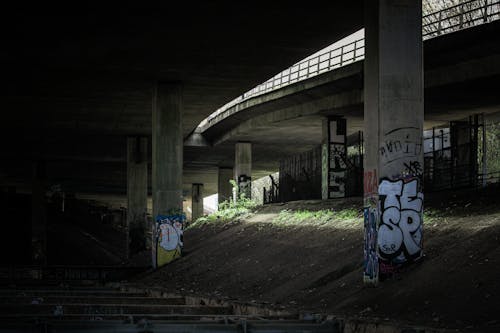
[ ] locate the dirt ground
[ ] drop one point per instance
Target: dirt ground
(319, 268)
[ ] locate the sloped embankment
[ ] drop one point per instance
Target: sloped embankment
(316, 266)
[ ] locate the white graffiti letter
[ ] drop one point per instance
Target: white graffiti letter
(401, 211)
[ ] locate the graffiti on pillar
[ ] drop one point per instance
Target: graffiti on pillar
(412, 168)
(168, 238)
(337, 172)
(244, 185)
(370, 183)
(400, 229)
(370, 262)
(401, 143)
(337, 155)
(337, 184)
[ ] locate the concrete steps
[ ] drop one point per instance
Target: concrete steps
(99, 309)
(241, 326)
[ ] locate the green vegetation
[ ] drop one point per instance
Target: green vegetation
(492, 148)
(347, 217)
(432, 215)
(228, 211)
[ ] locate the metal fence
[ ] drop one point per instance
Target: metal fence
(464, 15)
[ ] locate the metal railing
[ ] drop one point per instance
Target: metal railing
(464, 15)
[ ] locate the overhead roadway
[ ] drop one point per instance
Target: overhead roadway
(76, 85)
(78, 82)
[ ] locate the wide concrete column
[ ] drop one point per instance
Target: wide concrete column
(224, 188)
(196, 201)
(137, 193)
(167, 143)
(243, 168)
(333, 155)
(393, 116)
(39, 215)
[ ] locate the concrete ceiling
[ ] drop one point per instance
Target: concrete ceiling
(77, 81)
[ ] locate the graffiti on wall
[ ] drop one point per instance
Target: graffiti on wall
(168, 241)
(337, 154)
(370, 182)
(401, 143)
(400, 228)
(412, 168)
(337, 174)
(370, 262)
(245, 185)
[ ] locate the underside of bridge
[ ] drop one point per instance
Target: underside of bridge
(109, 138)
(79, 85)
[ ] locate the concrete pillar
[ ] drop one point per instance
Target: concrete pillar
(38, 215)
(167, 143)
(197, 201)
(333, 156)
(243, 168)
(224, 188)
(137, 193)
(393, 116)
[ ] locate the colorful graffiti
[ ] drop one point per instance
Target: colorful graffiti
(370, 263)
(168, 241)
(370, 182)
(400, 229)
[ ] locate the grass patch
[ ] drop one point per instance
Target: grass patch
(432, 215)
(228, 211)
(324, 217)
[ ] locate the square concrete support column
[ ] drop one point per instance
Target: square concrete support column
(38, 215)
(167, 143)
(137, 193)
(393, 116)
(243, 168)
(333, 155)
(224, 188)
(197, 201)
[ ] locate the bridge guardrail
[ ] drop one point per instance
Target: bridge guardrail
(454, 18)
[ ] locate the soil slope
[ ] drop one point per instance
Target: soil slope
(319, 268)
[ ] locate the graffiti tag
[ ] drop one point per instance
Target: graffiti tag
(400, 231)
(413, 168)
(370, 262)
(401, 143)
(370, 182)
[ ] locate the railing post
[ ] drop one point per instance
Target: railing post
(308, 67)
(341, 55)
(461, 16)
(439, 23)
(485, 15)
(354, 53)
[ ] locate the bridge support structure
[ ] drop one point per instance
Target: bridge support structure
(137, 193)
(393, 116)
(196, 201)
(39, 215)
(333, 155)
(243, 168)
(167, 162)
(224, 188)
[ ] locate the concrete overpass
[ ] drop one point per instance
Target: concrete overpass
(78, 86)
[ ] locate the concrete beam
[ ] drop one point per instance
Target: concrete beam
(137, 193)
(167, 148)
(243, 168)
(197, 201)
(224, 188)
(394, 113)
